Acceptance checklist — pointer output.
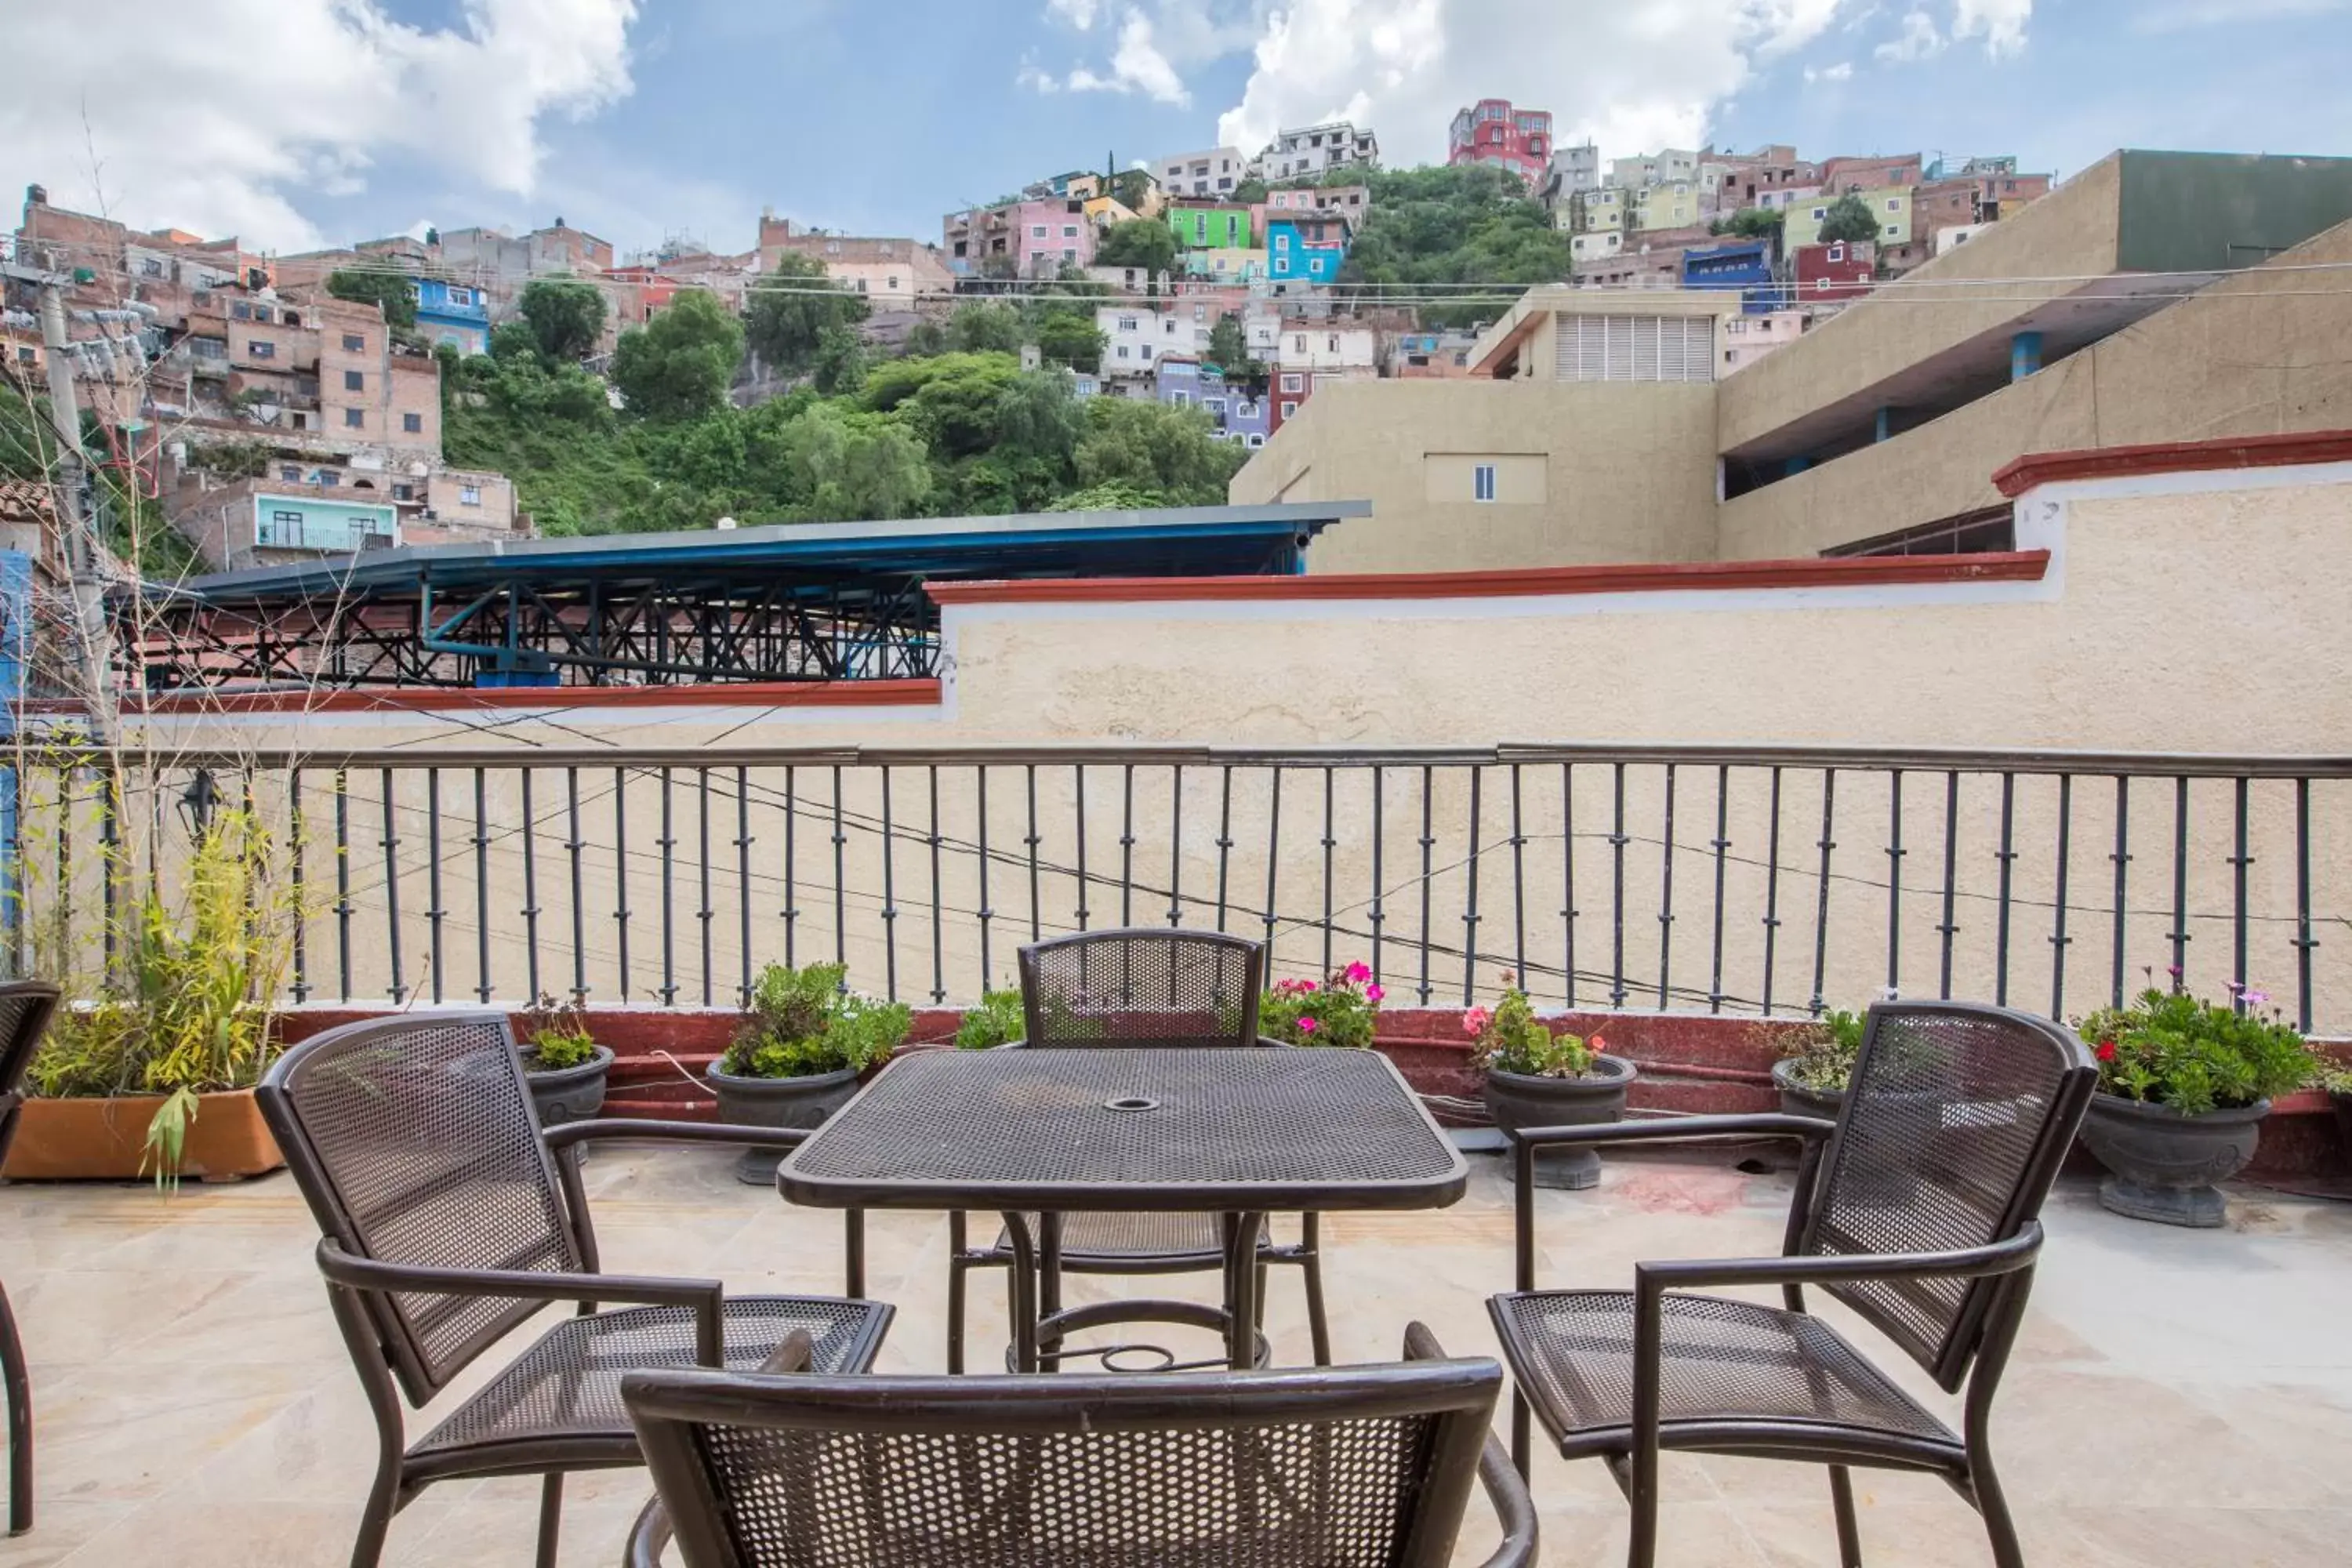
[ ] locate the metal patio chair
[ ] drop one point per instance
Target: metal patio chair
(25, 1008)
(450, 1218)
(1140, 987)
(1917, 1209)
(1362, 1466)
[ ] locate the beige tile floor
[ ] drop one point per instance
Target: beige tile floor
(2178, 1398)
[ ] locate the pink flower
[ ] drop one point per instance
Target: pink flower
(1306, 986)
(1597, 1044)
(1474, 1021)
(1358, 973)
(2254, 998)
(1308, 1025)
(1375, 992)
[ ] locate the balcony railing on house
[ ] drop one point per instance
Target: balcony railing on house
(1763, 880)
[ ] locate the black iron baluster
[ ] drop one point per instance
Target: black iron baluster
(65, 865)
(574, 847)
(939, 934)
(1470, 895)
(1568, 875)
(2179, 932)
(109, 844)
(791, 909)
(1379, 914)
(1772, 891)
(1666, 893)
(1950, 928)
(390, 842)
(1822, 907)
(482, 889)
(434, 912)
(1895, 885)
(840, 883)
(1329, 842)
(890, 894)
(1721, 845)
(1428, 845)
(301, 904)
(1175, 844)
(667, 844)
(704, 913)
(621, 877)
(2304, 941)
(987, 976)
(1035, 928)
(1079, 788)
(1617, 842)
(2059, 940)
(342, 881)
(2122, 857)
(1224, 838)
(743, 884)
(2007, 856)
(1127, 846)
(2239, 862)
(1273, 862)
(530, 910)
(1518, 884)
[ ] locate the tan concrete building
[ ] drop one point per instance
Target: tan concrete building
(2126, 307)
(891, 273)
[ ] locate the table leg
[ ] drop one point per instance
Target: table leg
(1049, 1275)
(1240, 1289)
(1024, 1290)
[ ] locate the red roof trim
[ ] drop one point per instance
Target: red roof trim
(442, 699)
(2018, 566)
(2175, 457)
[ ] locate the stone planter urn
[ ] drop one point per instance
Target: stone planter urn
(567, 1094)
(790, 1102)
(1517, 1100)
(2162, 1165)
(1803, 1099)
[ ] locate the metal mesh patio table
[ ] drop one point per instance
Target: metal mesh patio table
(1046, 1131)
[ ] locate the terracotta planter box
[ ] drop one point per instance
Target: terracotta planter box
(102, 1139)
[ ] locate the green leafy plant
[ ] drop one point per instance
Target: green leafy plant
(1825, 1050)
(2175, 1049)
(802, 1023)
(1342, 1010)
(1512, 1040)
(555, 1037)
(998, 1020)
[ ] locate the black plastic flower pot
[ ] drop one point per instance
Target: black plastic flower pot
(1803, 1099)
(1520, 1100)
(2162, 1165)
(568, 1094)
(797, 1103)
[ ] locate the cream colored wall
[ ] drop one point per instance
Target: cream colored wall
(2259, 352)
(2071, 233)
(1520, 477)
(1629, 472)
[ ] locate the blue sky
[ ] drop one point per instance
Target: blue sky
(641, 118)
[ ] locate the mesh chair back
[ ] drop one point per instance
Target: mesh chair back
(1142, 987)
(25, 1006)
(1362, 1466)
(416, 1143)
(1952, 1132)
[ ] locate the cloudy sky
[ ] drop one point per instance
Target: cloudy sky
(300, 122)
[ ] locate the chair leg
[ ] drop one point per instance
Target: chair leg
(1849, 1533)
(551, 1516)
(1994, 1507)
(20, 1422)
(1318, 1325)
(383, 1501)
(958, 1267)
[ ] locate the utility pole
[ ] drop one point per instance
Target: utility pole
(77, 522)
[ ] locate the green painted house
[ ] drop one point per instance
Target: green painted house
(1210, 227)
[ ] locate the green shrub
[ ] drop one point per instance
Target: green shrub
(1825, 1050)
(2171, 1048)
(998, 1020)
(802, 1023)
(1512, 1040)
(555, 1037)
(1343, 1010)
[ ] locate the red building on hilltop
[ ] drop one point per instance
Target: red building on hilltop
(1494, 133)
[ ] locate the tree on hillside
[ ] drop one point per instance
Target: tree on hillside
(985, 329)
(508, 341)
(1849, 220)
(791, 309)
(925, 338)
(1249, 192)
(565, 316)
(1750, 222)
(1064, 337)
(856, 465)
(1154, 447)
(840, 364)
(1132, 188)
(1229, 352)
(1141, 243)
(393, 291)
(1455, 224)
(679, 365)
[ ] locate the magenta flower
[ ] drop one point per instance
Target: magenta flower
(1308, 1025)
(1375, 992)
(1306, 986)
(1474, 1021)
(1358, 973)
(2254, 998)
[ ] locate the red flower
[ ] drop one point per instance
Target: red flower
(2106, 1051)
(1597, 1044)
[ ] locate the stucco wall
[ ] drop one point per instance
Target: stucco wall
(1635, 483)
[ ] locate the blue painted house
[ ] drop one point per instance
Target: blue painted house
(1744, 264)
(1188, 384)
(450, 312)
(1307, 247)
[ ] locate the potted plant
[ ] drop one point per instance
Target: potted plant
(795, 1057)
(2335, 1080)
(1343, 1010)
(151, 1072)
(1813, 1074)
(999, 1020)
(562, 1062)
(2184, 1085)
(1539, 1079)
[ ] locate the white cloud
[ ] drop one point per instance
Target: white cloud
(2001, 23)
(1918, 41)
(1842, 72)
(1037, 79)
(1078, 13)
(1155, 42)
(214, 117)
(1136, 66)
(1632, 74)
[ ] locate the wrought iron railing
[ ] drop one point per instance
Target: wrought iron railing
(1727, 879)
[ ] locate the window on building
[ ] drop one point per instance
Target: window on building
(1255, 440)
(1291, 382)
(287, 519)
(290, 474)
(414, 424)
(354, 343)
(329, 478)
(404, 492)
(261, 312)
(1289, 409)
(893, 284)
(262, 350)
(1069, 253)
(355, 418)
(1122, 351)
(461, 296)
(1069, 231)
(1299, 343)
(1482, 482)
(1146, 351)
(1127, 323)
(469, 495)
(354, 381)
(1181, 399)
(1331, 343)
(1036, 231)
(1895, 203)
(1215, 405)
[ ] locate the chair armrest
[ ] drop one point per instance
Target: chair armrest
(706, 1298)
(1674, 1130)
(624, 1128)
(1504, 1486)
(1652, 1280)
(649, 1535)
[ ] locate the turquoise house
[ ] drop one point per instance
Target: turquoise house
(328, 527)
(1306, 248)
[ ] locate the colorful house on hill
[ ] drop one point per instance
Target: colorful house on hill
(1210, 227)
(1310, 246)
(1222, 264)
(1744, 264)
(453, 313)
(1192, 383)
